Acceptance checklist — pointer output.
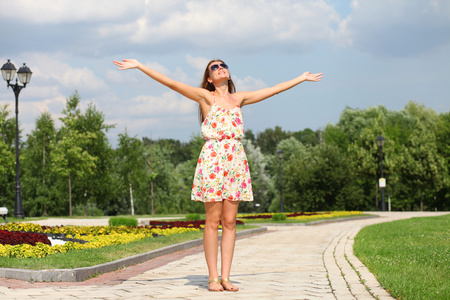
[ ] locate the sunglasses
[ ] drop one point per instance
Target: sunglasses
(216, 67)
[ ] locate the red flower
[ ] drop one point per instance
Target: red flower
(212, 175)
(199, 160)
(214, 154)
(214, 125)
(230, 157)
(226, 146)
(225, 173)
(219, 193)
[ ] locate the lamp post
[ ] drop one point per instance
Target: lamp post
(380, 142)
(280, 156)
(24, 74)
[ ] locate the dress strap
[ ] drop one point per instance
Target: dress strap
(235, 100)
(214, 97)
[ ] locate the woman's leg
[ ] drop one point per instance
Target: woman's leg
(229, 212)
(210, 239)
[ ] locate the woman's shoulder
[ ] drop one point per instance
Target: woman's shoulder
(239, 96)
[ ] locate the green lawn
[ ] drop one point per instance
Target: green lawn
(289, 221)
(410, 258)
(92, 257)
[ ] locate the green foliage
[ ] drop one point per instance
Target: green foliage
(193, 217)
(263, 186)
(279, 217)
(410, 258)
(123, 221)
(336, 168)
(7, 157)
(37, 182)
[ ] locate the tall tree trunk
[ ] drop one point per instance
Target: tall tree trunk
(153, 200)
(85, 204)
(376, 196)
(44, 210)
(131, 200)
(421, 200)
(70, 196)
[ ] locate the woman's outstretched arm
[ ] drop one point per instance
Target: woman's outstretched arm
(247, 98)
(193, 93)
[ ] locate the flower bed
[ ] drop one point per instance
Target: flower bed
(18, 238)
(302, 216)
(96, 236)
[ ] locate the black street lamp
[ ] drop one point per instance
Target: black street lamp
(24, 74)
(280, 156)
(380, 142)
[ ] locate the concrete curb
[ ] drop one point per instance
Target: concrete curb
(80, 274)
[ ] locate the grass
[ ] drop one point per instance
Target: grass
(92, 257)
(270, 221)
(410, 258)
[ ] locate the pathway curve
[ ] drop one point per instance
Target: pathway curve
(288, 262)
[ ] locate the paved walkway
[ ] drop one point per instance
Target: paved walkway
(288, 262)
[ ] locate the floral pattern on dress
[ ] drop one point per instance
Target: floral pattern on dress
(222, 169)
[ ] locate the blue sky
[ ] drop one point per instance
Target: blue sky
(372, 52)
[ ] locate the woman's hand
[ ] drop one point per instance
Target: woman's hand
(126, 64)
(312, 77)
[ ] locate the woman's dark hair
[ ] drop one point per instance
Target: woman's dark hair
(210, 87)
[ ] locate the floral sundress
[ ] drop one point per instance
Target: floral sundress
(222, 171)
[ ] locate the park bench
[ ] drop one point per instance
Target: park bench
(4, 213)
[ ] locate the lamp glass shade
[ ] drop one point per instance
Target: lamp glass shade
(8, 71)
(280, 153)
(380, 141)
(24, 74)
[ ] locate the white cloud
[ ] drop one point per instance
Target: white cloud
(169, 103)
(51, 72)
(198, 63)
(227, 24)
(249, 84)
(396, 28)
(69, 11)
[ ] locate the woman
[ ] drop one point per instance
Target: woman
(222, 177)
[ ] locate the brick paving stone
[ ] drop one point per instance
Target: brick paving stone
(288, 262)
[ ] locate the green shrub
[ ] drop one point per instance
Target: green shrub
(193, 217)
(279, 217)
(126, 221)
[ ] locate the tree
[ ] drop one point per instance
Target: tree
(307, 136)
(353, 121)
(96, 186)
(184, 176)
(37, 176)
(262, 183)
(268, 140)
(294, 159)
(69, 155)
(442, 200)
(130, 167)
(421, 164)
(7, 126)
(7, 157)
